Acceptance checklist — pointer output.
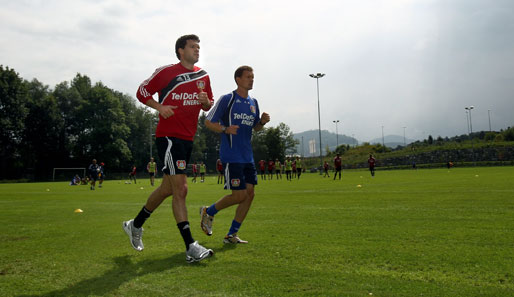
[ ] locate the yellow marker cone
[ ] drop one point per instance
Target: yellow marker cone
(142, 188)
(359, 186)
(78, 210)
(48, 190)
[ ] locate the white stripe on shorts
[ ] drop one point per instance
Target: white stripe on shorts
(227, 176)
(168, 158)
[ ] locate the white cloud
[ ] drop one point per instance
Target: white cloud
(413, 63)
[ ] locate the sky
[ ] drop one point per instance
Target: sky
(388, 64)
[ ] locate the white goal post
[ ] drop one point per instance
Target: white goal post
(74, 169)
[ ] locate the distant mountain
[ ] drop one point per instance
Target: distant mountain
(391, 140)
(311, 142)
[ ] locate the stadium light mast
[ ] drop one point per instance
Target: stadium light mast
(467, 120)
(469, 108)
(337, 133)
(470, 122)
(489, 116)
(317, 76)
(404, 142)
(383, 142)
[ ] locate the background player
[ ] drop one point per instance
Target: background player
(132, 174)
(93, 171)
(262, 167)
(219, 168)
(325, 167)
(371, 163)
(151, 167)
(299, 166)
(101, 174)
(338, 166)
(278, 169)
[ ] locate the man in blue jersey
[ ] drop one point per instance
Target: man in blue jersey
(235, 115)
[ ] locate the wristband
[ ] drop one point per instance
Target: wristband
(223, 129)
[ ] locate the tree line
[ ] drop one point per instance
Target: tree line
(43, 128)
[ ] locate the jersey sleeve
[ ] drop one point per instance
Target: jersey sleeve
(150, 86)
(218, 110)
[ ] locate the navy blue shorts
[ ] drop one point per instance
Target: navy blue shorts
(175, 154)
(237, 175)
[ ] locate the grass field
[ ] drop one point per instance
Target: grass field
(402, 233)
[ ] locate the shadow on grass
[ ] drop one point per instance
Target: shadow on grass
(125, 270)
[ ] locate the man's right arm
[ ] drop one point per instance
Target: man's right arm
(148, 88)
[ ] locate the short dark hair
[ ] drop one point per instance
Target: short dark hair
(182, 41)
(240, 70)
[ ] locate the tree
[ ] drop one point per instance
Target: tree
(12, 121)
(42, 128)
(259, 146)
(70, 104)
(106, 131)
(279, 142)
(508, 134)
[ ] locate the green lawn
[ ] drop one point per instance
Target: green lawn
(402, 233)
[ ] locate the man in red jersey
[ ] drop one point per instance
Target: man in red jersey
(337, 165)
(184, 89)
(271, 168)
(262, 167)
(371, 163)
(219, 168)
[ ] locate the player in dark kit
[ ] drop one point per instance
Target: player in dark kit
(184, 89)
(101, 175)
(93, 171)
(262, 167)
(371, 163)
(235, 116)
(219, 168)
(132, 174)
(338, 166)
(271, 168)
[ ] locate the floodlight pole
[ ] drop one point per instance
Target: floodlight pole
(337, 133)
(471, 133)
(489, 116)
(383, 142)
(317, 76)
(404, 142)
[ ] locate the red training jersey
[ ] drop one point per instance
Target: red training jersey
(219, 165)
(262, 165)
(270, 165)
(337, 161)
(371, 162)
(177, 86)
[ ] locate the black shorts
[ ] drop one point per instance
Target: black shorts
(151, 173)
(175, 154)
(338, 168)
(237, 175)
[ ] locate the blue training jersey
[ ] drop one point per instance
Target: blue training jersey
(232, 109)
